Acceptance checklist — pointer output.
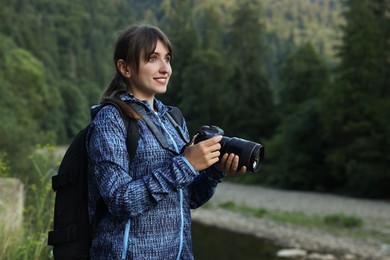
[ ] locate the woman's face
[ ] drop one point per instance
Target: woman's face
(153, 75)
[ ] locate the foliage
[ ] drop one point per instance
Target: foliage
(252, 114)
(31, 241)
(183, 36)
(20, 114)
(343, 221)
(207, 73)
(305, 78)
(230, 205)
(353, 108)
(297, 149)
(334, 221)
(4, 168)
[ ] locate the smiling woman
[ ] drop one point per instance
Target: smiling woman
(144, 203)
(152, 75)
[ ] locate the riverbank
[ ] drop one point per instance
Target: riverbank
(375, 216)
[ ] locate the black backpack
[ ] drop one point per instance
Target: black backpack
(72, 234)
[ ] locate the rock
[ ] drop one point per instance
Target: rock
(349, 257)
(385, 248)
(317, 256)
(11, 203)
(291, 253)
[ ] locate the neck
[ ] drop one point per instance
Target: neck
(143, 97)
(151, 103)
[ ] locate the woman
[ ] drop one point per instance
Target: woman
(148, 200)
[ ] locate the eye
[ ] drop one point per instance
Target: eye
(168, 59)
(153, 58)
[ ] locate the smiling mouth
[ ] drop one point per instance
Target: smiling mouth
(161, 80)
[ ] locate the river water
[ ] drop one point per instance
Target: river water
(213, 243)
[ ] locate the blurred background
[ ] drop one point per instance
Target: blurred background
(309, 79)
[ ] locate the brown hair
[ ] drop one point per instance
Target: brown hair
(133, 41)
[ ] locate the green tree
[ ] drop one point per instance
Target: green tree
(251, 111)
(23, 101)
(204, 84)
(70, 39)
(211, 36)
(205, 79)
(178, 24)
(354, 108)
(304, 76)
(297, 150)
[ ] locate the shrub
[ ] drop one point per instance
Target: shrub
(228, 205)
(343, 221)
(31, 241)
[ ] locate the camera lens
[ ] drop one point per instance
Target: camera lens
(251, 154)
(256, 157)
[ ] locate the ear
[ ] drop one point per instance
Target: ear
(123, 68)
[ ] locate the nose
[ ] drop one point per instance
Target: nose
(165, 68)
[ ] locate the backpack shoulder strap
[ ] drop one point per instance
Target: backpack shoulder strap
(132, 136)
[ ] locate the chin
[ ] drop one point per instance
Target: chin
(161, 90)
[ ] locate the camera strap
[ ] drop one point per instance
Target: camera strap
(178, 129)
(152, 126)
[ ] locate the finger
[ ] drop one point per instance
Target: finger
(215, 154)
(222, 164)
(229, 162)
(223, 160)
(234, 165)
(214, 147)
(242, 170)
(211, 141)
(214, 160)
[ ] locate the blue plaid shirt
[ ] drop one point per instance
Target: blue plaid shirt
(148, 200)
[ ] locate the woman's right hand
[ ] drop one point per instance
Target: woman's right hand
(203, 154)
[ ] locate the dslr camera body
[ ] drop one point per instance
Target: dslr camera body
(251, 154)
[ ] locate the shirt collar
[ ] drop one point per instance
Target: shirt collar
(158, 105)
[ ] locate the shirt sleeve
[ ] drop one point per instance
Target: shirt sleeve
(109, 164)
(204, 185)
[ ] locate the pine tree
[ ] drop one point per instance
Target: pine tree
(211, 28)
(298, 152)
(354, 109)
(203, 88)
(204, 80)
(252, 113)
(178, 24)
(304, 75)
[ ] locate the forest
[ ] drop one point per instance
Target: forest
(307, 78)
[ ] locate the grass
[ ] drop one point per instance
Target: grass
(333, 220)
(230, 205)
(343, 221)
(30, 241)
(338, 224)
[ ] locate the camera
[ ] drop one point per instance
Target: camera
(251, 154)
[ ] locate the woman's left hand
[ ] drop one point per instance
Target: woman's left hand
(229, 164)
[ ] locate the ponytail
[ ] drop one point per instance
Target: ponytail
(117, 84)
(112, 94)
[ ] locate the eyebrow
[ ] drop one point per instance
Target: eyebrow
(158, 53)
